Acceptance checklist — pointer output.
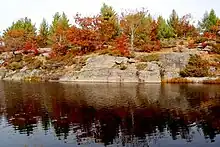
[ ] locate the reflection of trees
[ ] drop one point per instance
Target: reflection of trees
(68, 110)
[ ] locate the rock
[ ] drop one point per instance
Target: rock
(24, 69)
(173, 63)
(150, 74)
(131, 61)
(2, 61)
(103, 69)
(152, 66)
(99, 62)
(120, 60)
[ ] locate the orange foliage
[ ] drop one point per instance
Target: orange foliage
(15, 39)
(209, 35)
(31, 46)
(59, 39)
(122, 45)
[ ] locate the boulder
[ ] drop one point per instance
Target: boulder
(151, 74)
(173, 63)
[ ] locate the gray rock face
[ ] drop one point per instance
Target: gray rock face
(173, 63)
(151, 74)
(107, 69)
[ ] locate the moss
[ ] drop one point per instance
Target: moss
(215, 48)
(27, 59)
(141, 66)
(35, 64)
(15, 66)
(17, 58)
(149, 58)
(123, 67)
(197, 67)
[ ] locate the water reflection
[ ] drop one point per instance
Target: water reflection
(118, 114)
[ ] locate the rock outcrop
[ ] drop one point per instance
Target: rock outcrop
(105, 68)
(114, 69)
(173, 63)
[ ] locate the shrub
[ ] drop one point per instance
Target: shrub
(15, 66)
(177, 80)
(216, 81)
(141, 66)
(149, 58)
(215, 48)
(150, 46)
(200, 39)
(35, 64)
(17, 58)
(197, 67)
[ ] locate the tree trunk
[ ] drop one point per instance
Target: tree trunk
(132, 38)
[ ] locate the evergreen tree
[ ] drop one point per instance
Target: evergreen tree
(43, 34)
(110, 26)
(209, 19)
(173, 21)
(164, 30)
(107, 12)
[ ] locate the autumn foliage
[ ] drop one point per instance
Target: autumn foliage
(122, 45)
(130, 31)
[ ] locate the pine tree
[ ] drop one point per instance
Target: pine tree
(209, 19)
(173, 21)
(43, 34)
(164, 30)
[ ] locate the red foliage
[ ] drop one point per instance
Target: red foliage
(31, 46)
(122, 45)
(152, 46)
(153, 32)
(209, 35)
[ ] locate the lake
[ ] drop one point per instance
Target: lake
(97, 115)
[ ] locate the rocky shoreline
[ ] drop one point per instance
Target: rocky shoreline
(105, 68)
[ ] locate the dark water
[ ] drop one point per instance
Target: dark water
(68, 115)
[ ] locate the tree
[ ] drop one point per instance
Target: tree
(185, 28)
(43, 34)
(173, 21)
(108, 26)
(19, 33)
(164, 30)
(209, 20)
(136, 25)
(86, 36)
(108, 13)
(58, 31)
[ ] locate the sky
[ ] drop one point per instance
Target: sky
(12, 10)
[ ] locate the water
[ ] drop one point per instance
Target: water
(68, 115)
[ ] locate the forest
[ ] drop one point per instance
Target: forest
(120, 34)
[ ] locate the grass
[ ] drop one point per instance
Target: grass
(14, 66)
(216, 81)
(177, 80)
(141, 66)
(149, 58)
